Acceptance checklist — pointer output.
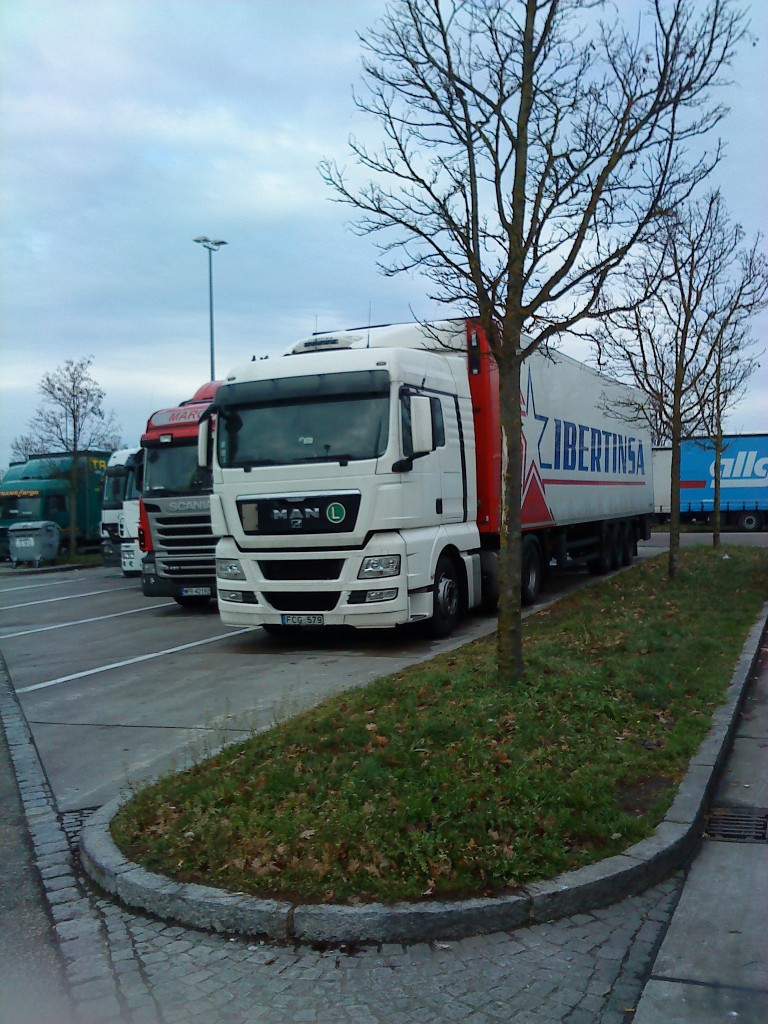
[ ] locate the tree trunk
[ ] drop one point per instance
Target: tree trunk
(716, 502)
(673, 564)
(510, 641)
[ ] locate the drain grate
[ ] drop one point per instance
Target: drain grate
(737, 825)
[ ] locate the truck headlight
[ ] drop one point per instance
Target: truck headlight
(376, 566)
(229, 569)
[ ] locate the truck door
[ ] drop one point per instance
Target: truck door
(449, 450)
(442, 472)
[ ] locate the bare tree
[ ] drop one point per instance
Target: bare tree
(71, 419)
(529, 148)
(740, 296)
(680, 331)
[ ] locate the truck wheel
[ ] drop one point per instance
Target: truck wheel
(446, 601)
(530, 571)
(626, 546)
(192, 602)
(601, 564)
(750, 522)
(614, 548)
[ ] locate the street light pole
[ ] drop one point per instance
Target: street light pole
(212, 245)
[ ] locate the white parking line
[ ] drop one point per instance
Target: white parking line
(132, 661)
(83, 622)
(43, 583)
(69, 597)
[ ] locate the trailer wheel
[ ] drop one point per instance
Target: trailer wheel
(530, 571)
(446, 599)
(614, 547)
(626, 546)
(601, 563)
(750, 522)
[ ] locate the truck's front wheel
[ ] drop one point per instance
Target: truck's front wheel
(446, 598)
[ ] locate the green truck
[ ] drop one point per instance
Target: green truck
(39, 490)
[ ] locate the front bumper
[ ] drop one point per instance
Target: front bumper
(286, 588)
(155, 585)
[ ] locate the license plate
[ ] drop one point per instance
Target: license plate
(302, 620)
(195, 591)
(24, 542)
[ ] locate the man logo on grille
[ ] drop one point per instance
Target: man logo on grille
(336, 513)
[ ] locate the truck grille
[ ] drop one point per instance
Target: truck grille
(292, 569)
(325, 601)
(184, 545)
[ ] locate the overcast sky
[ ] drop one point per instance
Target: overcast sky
(130, 127)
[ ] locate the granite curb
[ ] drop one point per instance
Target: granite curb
(647, 863)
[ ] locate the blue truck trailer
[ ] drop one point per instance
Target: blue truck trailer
(743, 481)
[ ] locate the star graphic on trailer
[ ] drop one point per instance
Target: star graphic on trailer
(535, 509)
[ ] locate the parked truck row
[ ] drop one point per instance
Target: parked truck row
(357, 480)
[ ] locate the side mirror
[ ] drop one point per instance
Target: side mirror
(422, 437)
(203, 434)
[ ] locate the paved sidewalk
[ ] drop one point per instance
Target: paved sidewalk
(713, 964)
(32, 979)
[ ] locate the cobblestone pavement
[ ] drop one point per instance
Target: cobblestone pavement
(586, 969)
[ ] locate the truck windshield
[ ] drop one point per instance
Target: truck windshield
(114, 488)
(333, 428)
(173, 469)
(13, 507)
(133, 486)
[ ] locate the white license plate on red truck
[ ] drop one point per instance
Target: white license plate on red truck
(302, 620)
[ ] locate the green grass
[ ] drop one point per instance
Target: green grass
(442, 780)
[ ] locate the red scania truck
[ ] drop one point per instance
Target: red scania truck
(357, 479)
(174, 509)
